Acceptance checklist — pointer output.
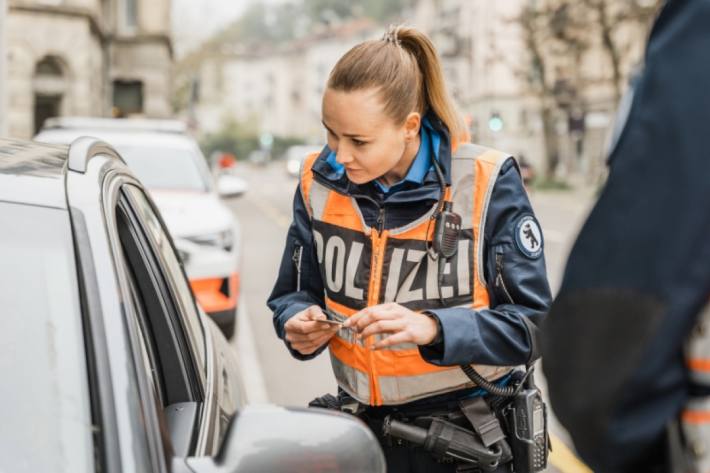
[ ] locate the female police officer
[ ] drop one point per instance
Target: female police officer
(424, 246)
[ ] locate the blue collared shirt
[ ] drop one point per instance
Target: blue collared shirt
(422, 164)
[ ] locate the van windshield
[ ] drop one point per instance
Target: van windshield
(165, 167)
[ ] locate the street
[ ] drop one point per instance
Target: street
(271, 374)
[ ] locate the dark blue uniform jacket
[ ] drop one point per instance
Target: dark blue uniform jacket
(640, 269)
(501, 335)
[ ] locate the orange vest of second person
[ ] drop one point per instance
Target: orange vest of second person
(696, 415)
(362, 267)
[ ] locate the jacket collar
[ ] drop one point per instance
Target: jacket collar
(428, 190)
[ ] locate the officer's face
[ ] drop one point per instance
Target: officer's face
(366, 141)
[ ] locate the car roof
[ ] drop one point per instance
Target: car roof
(117, 137)
(33, 173)
(128, 124)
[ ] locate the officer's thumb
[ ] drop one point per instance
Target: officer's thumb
(315, 313)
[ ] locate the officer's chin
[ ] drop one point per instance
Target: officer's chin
(358, 176)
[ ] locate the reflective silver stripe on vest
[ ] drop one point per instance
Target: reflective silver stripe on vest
(318, 199)
(698, 348)
(345, 334)
(463, 170)
(353, 381)
(402, 389)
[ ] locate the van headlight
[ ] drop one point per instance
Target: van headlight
(224, 240)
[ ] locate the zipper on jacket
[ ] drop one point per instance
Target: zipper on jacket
(296, 257)
(381, 220)
(500, 282)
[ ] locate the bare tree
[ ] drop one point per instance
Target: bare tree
(557, 35)
(554, 52)
(609, 18)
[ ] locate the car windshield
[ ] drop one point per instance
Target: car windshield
(44, 401)
(165, 167)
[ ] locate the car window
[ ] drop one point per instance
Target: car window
(160, 167)
(166, 376)
(149, 351)
(174, 271)
(176, 380)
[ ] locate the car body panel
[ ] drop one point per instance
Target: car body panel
(32, 174)
(84, 377)
(44, 365)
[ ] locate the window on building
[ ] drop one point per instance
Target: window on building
(130, 14)
(127, 97)
(49, 89)
(48, 66)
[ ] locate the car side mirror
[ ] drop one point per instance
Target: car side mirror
(272, 439)
(231, 186)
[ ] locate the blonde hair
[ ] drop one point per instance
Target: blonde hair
(406, 69)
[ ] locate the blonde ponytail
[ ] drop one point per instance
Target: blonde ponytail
(406, 69)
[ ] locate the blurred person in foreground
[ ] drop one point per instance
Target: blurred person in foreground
(628, 376)
(361, 248)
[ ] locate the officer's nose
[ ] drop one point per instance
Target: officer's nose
(343, 155)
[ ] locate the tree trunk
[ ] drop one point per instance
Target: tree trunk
(610, 46)
(551, 143)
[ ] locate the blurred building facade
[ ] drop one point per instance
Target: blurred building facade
(487, 63)
(86, 57)
(275, 89)
(480, 45)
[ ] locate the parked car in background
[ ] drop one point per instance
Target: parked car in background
(171, 166)
(260, 157)
(295, 156)
(108, 364)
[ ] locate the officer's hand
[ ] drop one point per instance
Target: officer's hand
(305, 333)
(404, 325)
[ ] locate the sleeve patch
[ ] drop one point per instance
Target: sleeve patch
(528, 237)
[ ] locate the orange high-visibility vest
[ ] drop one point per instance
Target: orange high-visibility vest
(695, 419)
(363, 267)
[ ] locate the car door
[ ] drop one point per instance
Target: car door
(216, 379)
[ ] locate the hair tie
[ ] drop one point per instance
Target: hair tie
(390, 36)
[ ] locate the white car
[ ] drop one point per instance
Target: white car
(295, 156)
(171, 166)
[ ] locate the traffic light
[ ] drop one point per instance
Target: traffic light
(495, 122)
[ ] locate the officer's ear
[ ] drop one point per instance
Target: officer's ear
(411, 126)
